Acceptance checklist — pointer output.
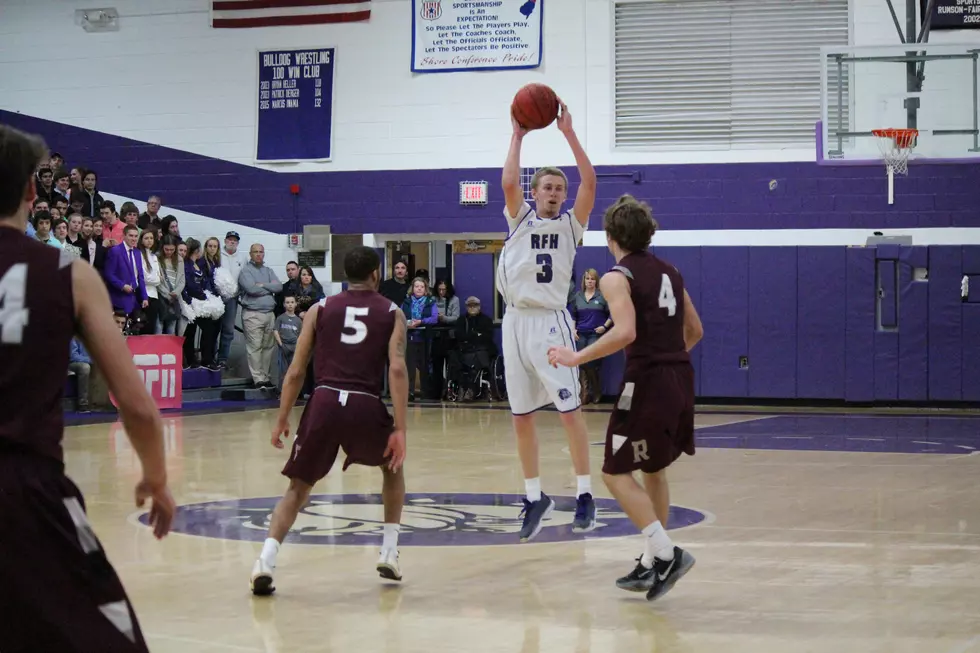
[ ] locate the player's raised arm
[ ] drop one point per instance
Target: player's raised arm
(616, 289)
(292, 382)
(585, 197)
(398, 386)
(510, 181)
(693, 329)
(140, 416)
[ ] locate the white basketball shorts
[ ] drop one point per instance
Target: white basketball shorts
(532, 383)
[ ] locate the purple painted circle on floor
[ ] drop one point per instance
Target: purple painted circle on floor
(428, 519)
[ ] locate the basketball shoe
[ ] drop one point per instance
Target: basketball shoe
(534, 516)
(658, 579)
(388, 565)
(262, 582)
(584, 514)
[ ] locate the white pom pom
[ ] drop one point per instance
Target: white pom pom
(226, 286)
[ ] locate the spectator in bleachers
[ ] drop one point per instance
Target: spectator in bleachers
(41, 205)
(233, 260)
(420, 311)
(259, 285)
(129, 214)
(55, 215)
(169, 225)
(60, 231)
(93, 250)
(75, 237)
(61, 204)
(121, 320)
(112, 226)
(172, 280)
(476, 349)
(62, 183)
(76, 204)
(447, 304)
(75, 178)
(124, 275)
(288, 327)
(291, 287)
(181, 246)
(309, 291)
(89, 194)
(80, 364)
(42, 227)
(45, 184)
(152, 214)
(152, 279)
(56, 162)
(211, 261)
(197, 280)
(591, 316)
(396, 288)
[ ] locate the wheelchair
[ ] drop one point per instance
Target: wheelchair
(490, 385)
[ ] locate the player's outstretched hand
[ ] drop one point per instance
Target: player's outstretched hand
(162, 506)
(519, 131)
(280, 431)
(561, 356)
(564, 118)
(395, 449)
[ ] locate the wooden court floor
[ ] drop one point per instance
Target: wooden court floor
(816, 535)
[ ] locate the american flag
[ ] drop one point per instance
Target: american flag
(269, 13)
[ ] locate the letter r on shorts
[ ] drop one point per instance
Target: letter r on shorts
(639, 451)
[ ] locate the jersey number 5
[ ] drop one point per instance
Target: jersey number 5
(546, 274)
(667, 299)
(13, 315)
(351, 322)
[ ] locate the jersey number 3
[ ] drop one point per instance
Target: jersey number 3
(546, 274)
(13, 315)
(667, 299)
(351, 322)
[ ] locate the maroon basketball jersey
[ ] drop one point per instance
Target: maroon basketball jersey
(352, 334)
(37, 323)
(657, 290)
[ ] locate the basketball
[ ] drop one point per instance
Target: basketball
(535, 106)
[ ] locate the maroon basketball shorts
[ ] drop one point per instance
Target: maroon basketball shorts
(58, 592)
(334, 419)
(653, 421)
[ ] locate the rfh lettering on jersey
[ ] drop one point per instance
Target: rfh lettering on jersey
(544, 241)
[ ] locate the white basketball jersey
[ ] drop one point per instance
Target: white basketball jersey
(535, 266)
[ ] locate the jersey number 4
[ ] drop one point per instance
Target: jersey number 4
(351, 322)
(13, 315)
(667, 299)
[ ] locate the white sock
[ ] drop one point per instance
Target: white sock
(269, 551)
(658, 545)
(584, 484)
(390, 542)
(532, 486)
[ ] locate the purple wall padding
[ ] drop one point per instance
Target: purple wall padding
(772, 321)
(888, 252)
(889, 295)
(913, 334)
(945, 323)
(974, 291)
(821, 310)
(725, 302)
(860, 325)
(971, 352)
(971, 259)
(886, 365)
(687, 260)
(473, 275)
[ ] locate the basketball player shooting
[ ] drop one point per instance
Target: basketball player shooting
(653, 421)
(60, 593)
(351, 337)
(533, 276)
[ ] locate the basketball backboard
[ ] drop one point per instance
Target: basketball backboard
(874, 87)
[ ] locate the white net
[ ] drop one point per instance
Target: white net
(896, 146)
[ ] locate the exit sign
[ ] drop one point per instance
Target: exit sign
(472, 192)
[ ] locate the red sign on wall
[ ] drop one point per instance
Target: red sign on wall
(159, 362)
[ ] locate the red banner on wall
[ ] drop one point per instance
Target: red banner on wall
(159, 362)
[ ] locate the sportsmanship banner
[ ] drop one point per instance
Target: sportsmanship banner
(953, 14)
(295, 105)
(457, 35)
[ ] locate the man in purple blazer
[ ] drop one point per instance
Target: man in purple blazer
(124, 273)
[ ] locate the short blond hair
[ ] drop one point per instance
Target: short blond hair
(546, 172)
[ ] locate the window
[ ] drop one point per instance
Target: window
(721, 74)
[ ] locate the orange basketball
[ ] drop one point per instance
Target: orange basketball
(535, 106)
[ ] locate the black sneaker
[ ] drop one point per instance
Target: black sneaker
(534, 516)
(640, 579)
(584, 514)
(668, 572)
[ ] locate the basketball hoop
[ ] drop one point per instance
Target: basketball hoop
(896, 145)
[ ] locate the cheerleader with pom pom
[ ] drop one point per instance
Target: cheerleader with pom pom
(202, 308)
